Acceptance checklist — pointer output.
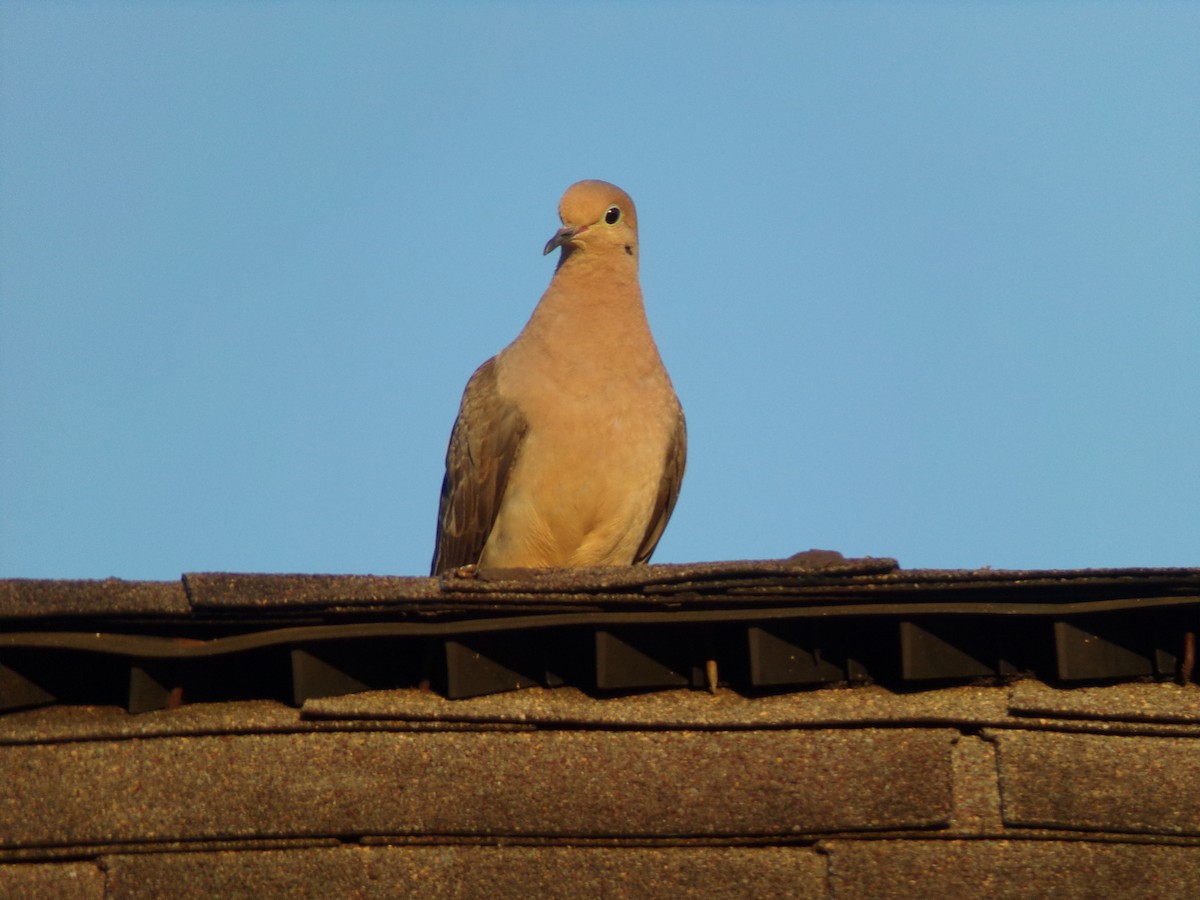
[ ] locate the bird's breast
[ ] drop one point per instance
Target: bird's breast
(585, 481)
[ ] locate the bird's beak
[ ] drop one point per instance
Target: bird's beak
(563, 235)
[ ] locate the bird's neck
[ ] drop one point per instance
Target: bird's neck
(592, 303)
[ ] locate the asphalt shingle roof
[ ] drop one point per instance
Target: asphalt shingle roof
(1009, 785)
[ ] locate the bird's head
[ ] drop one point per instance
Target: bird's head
(596, 216)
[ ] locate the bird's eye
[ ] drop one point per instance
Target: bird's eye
(612, 215)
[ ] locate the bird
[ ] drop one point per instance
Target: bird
(570, 443)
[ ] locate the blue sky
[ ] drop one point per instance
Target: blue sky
(926, 275)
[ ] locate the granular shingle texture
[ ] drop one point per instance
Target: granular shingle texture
(454, 783)
(964, 786)
(1160, 704)
(1092, 782)
(673, 709)
(52, 881)
(920, 869)
(40, 599)
(476, 871)
(902, 788)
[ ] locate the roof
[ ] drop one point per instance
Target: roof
(773, 778)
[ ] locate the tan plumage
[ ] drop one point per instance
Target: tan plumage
(570, 443)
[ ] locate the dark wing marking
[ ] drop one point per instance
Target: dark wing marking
(483, 447)
(668, 490)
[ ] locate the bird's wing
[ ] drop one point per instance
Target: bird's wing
(483, 447)
(668, 490)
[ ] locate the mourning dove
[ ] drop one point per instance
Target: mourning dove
(570, 443)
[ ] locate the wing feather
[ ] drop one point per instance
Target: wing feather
(668, 490)
(483, 447)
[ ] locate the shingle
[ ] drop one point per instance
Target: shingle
(434, 788)
(692, 585)
(688, 584)
(971, 706)
(56, 724)
(485, 783)
(82, 723)
(52, 881)
(876, 572)
(676, 709)
(976, 787)
(22, 598)
(1092, 782)
(1161, 703)
(465, 871)
(671, 578)
(224, 591)
(1016, 869)
(1110, 582)
(243, 873)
